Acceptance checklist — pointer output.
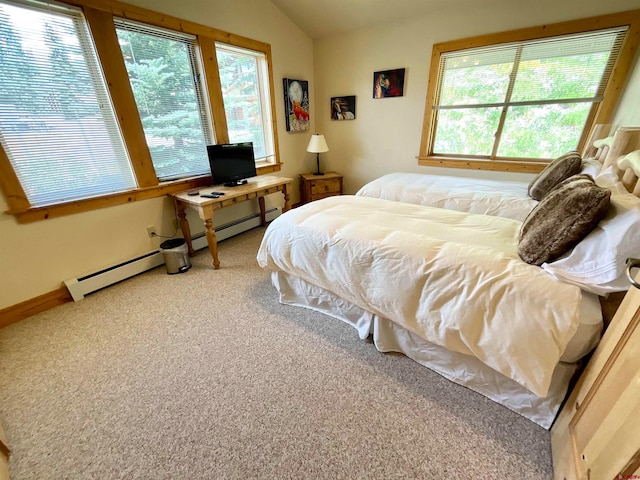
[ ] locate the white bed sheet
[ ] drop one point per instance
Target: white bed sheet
(462, 369)
(451, 278)
(488, 197)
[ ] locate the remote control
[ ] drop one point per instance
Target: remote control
(209, 195)
(217, 193)
(193, 193)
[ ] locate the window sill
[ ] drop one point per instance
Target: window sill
(36, 214)
(267, 167)
(520, 166)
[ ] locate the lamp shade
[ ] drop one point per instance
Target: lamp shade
(317, 144)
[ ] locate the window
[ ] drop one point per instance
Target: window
(97, 111)
(57, 125)
(165, 79)
(245, 90)
(517, 99)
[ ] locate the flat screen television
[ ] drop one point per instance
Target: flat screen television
(231, 163)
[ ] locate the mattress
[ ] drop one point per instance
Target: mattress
(451, 278)
(488, 197)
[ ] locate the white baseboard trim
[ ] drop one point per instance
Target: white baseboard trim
(81, 286)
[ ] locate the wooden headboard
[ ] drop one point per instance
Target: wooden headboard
(599, 140)
(623, 157)
(622, 153)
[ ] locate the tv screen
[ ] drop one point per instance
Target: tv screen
(231, 163)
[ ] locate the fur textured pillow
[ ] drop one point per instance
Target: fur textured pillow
(562, 218)
(560, 169)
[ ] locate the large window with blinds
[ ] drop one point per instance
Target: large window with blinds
(57, 124)
(99, 110)
(166, 83)
(522, 101)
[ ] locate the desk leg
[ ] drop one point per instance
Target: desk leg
(184, 226)
(263, 211)
(285, 192)
(211, 240)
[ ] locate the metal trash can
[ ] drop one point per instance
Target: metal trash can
(176, 255)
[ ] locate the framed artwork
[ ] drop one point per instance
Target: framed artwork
(296, 104)
(388, 83)
(343, 108)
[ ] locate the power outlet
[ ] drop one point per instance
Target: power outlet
(151, 231)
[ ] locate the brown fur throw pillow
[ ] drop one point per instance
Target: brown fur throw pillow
(562, 218)
(560, 169)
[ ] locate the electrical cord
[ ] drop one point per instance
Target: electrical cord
(173, 235)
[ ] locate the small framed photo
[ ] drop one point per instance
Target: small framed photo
(388, 83)
(296, 104)
(343, 108)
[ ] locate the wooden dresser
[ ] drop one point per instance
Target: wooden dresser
(314, 187)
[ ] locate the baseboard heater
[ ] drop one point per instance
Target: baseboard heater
(81, 286)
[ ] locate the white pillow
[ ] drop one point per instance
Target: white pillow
(590, 166)
(597, 264)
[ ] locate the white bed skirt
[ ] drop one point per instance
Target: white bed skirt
(459, 368)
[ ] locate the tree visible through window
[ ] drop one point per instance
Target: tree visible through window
(57, 125)
(68, 134)
(245, 88)
(528, 99)
(165, 82)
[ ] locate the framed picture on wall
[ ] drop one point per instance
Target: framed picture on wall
(296, 104)
(388, 83)
(343, 108)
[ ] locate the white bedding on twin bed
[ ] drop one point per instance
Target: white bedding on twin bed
(462, 369)
(483, 196)
(451, 278)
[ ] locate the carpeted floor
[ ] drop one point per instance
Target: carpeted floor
(204, 375)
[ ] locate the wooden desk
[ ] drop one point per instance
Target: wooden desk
(256, 187)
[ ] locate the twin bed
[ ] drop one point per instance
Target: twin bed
(447, 287)
(507, 199)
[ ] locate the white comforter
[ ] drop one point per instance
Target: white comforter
(487, 197)
(452, 278)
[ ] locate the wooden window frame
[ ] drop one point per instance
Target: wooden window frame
(601, 112)
(99, 15)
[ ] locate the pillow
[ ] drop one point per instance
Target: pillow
(590, 166)
(598, 263)
(562, 218)
(560, 169)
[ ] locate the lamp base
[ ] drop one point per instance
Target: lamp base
(318, 172)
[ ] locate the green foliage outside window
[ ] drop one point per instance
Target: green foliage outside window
(242, 103)
(164, 86)
(544, 92)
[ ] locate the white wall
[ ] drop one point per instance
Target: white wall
(36, 258)
(628, 112)
(385, 136)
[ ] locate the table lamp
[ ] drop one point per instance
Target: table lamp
(317, 145)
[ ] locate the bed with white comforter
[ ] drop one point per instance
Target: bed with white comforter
(441, 280)
(507, 199)
(500, 198)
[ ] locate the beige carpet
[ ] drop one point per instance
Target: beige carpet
(204, 375)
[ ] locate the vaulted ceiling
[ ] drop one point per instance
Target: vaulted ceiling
(321, 18)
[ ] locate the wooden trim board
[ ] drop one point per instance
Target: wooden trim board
(35, 305)
(4, 456)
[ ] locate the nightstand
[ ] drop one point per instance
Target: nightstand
(314, 187)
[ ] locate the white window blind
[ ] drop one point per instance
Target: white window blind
(57, 124)
(165, 79)
(527, 99)
(247, 104)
